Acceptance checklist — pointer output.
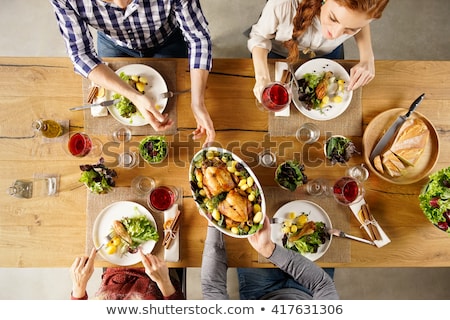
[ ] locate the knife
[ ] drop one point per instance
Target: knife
(101, 104)
(342, 234)
(393, 128)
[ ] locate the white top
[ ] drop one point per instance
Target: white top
(276, 24)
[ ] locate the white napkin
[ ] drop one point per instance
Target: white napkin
(279, 67)
(384, 238)
(99, 111)
(172, 254)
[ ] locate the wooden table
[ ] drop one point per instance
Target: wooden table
(50, 232)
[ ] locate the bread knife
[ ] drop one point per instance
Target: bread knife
(393, 128)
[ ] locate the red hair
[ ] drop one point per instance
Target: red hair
(308, 9)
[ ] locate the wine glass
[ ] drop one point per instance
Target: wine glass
(80, 145)
(347, 190)
(162, 198)
(319, 187)
(276, 96)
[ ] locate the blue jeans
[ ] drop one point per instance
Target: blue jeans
(336, 54)
(173, 47)
(254, 283)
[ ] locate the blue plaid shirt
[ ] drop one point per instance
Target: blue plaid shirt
(142, 25)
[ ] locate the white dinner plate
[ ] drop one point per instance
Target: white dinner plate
(315, 213)
(156, 85)
(318, 66)
(103, 226)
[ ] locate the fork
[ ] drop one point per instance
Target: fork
(106, 239)
(170, 94)
(276, 220)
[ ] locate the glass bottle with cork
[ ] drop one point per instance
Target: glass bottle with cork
(48, 128)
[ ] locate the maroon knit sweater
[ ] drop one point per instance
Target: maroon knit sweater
(126, 283)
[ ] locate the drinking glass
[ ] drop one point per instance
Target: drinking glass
(318, 187)
(267, 158)
(276, 96)
(142, 185)
(308, 133)
(128, 160)
(162, 198)
(80, 145)
(358, 172)
(347, 190)
(120, 134)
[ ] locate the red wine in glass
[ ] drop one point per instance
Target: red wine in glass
(347, 190)
(275, 97)
(162, 198)
(80, 144)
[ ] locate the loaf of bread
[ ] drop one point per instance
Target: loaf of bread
(405, 150)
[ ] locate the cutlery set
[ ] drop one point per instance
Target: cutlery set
(164, 95)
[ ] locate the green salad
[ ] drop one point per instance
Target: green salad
(290, 175)
(125, 107)
(339, 149)
(302, 235)
(97, 177)
(140, 229)
(435, 199)
(153, 149)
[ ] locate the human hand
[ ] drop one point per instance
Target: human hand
(80, 272)
(259, 87)
(261, 241)
(361, 74)
(204, 127)
(156, 119)
(158, 271)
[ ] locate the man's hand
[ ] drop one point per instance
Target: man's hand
(261, 240)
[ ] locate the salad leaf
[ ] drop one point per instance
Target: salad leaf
(153, 148)
(309, 243)
(290, 175)
(97, 177)
(339, 149)
(435, 199)
(125, 107)
(140, 229)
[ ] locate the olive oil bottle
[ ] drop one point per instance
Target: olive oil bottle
(48, 128)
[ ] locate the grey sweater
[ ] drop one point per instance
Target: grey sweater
(304, 271)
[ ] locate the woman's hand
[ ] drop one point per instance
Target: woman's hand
(361, 74)
(80, 272)
(260, 84)
(261, 241)
(158, 271)
(157, 120)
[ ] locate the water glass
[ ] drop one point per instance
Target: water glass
(128, 160)
(267, 159)
(308, 133)
(120, 134)
(142, 185)
(358, 172)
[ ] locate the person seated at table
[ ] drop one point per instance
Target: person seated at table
(132, 28)
(296, 277)
(302, 29)
(152, 282)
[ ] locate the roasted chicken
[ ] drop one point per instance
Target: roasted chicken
(236, 207)
(217, 179)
